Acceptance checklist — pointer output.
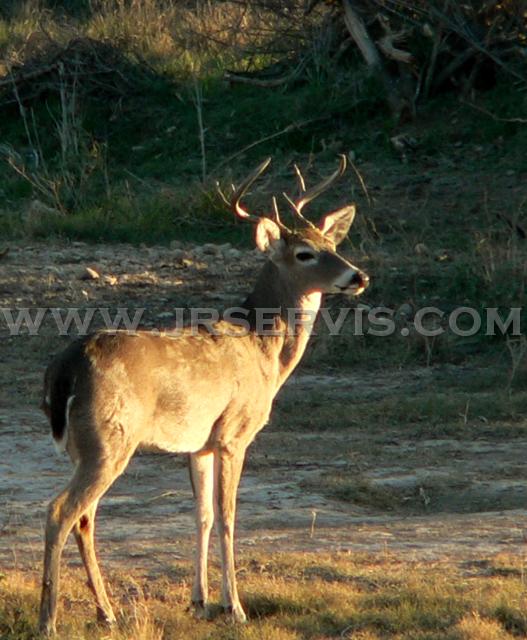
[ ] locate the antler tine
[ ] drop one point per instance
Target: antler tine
(276, 217)
(242, 189)
(276, 212)
(301, 181)
(297, 211)
(319, 188)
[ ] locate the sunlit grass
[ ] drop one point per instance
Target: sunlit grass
(197, 41)
(290, 596)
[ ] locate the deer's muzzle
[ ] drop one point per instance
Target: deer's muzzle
(354, 282)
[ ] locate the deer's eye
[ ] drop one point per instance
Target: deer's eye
(305, 256)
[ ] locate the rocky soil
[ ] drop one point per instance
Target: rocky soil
(146, 519)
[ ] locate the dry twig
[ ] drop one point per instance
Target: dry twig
(493, 115)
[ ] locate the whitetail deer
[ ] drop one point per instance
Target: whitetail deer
(206, 395)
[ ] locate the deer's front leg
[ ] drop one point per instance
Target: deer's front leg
(228, 466)
(202, 477)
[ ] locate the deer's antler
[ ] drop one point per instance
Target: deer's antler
(315, 191)
(276, 216)
(241, 190)
(234, 201)
(307, 196)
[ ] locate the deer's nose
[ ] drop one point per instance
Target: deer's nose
(353, 281)
(359, 280)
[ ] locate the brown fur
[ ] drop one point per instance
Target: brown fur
(113, 392)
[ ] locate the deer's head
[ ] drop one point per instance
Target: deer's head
(307, 254)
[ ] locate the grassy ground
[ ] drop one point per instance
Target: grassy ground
(143, 170)
(292, 596)
(409, 448)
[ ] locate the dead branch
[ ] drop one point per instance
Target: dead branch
(358, 32)
(256, 81)
(493, 115)
(431, 67)
(101, 70)
(25, 77)
(387, 46)
(294, 126)
(448, 71)
(371, 55)
(465, 35)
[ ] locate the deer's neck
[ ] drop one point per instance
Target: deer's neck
(283, 316)
(294, 339)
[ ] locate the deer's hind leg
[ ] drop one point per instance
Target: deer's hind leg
(84, 531)
(91, 480)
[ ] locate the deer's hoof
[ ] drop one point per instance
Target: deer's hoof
(200, 610)
(47, 629)
(236, 613)
(105, 619)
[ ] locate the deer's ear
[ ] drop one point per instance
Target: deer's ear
(336, 225)
(267, 234)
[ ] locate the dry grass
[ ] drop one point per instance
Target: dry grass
(197, 39)
(292, 596)
(474, 627)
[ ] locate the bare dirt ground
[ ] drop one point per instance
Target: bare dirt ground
(459, 498)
